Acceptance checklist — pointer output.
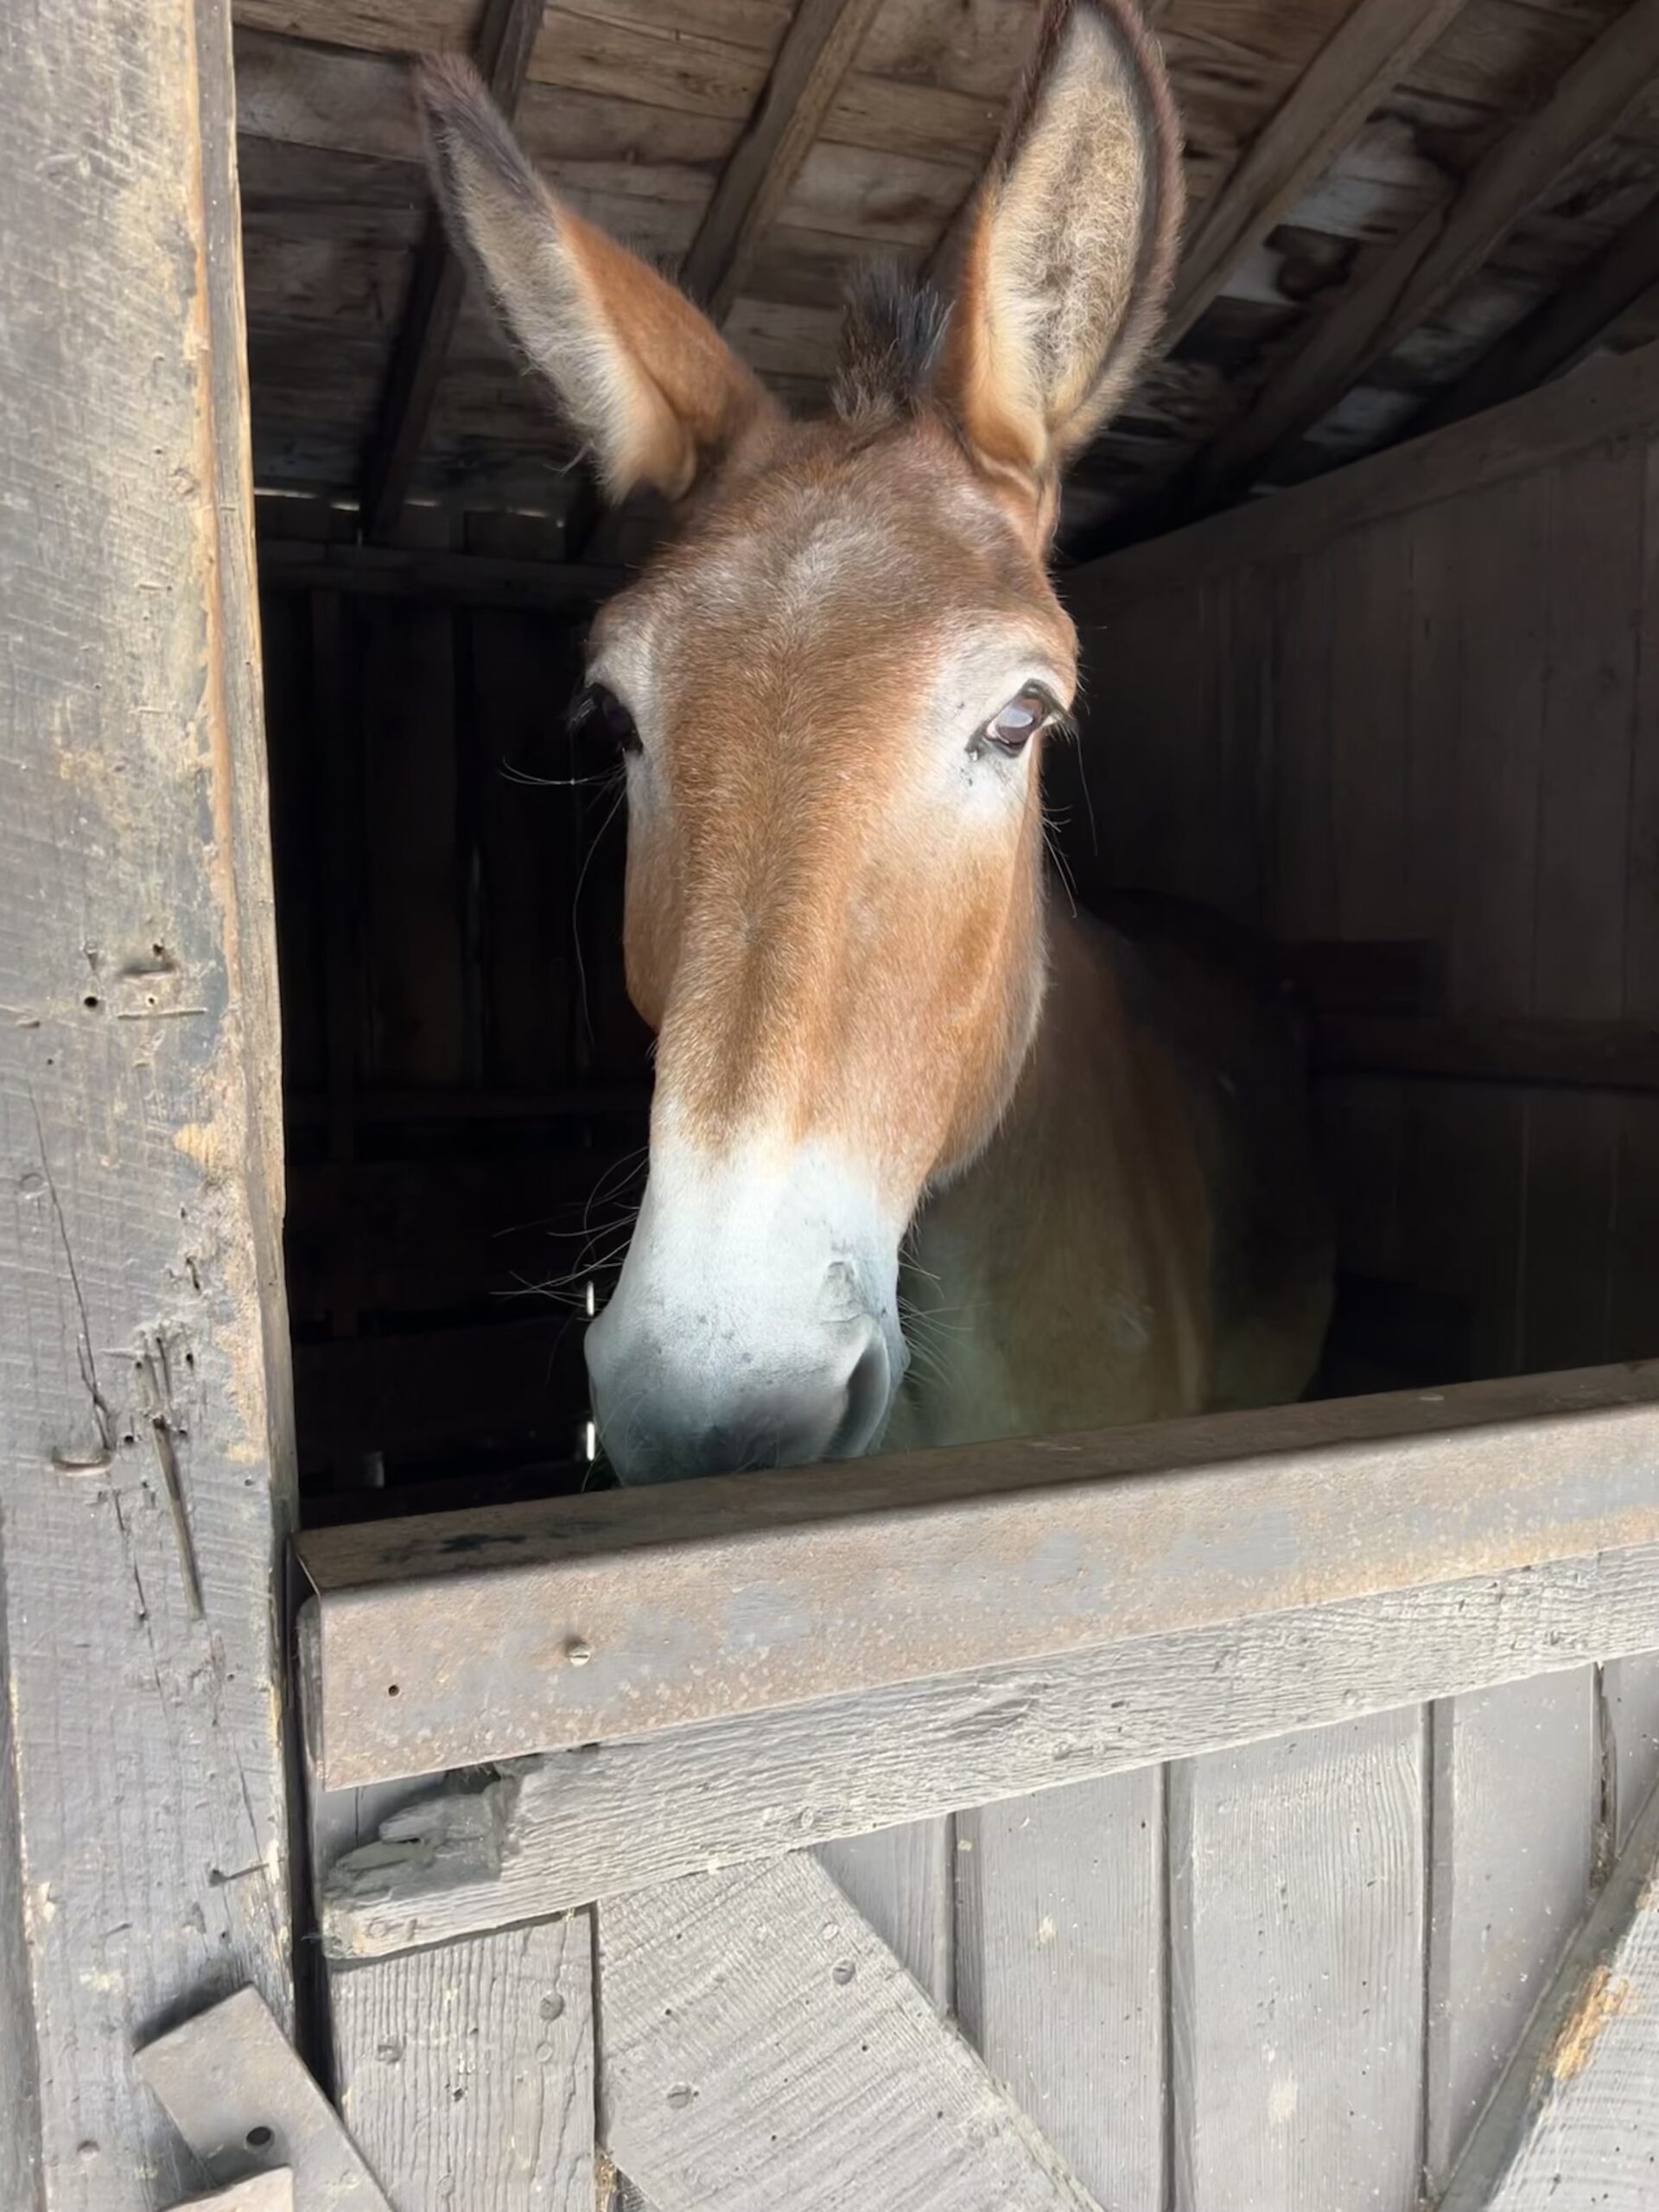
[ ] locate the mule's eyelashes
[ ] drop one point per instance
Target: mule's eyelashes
(1012, 728)
(596, 708)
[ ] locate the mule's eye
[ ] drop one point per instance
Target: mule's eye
(1013, 728)
(597, 711)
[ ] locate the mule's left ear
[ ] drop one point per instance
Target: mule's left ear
(1071, 247)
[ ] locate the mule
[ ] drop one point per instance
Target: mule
(832, 692)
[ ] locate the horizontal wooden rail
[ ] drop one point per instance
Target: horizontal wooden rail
(1548, 1054)
(563, 1830)
(460, 1638)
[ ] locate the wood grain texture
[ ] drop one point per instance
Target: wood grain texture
(558, 1832)
(1372, 49)
(745, 1593)
(817, 50)
(1515, 1776)
(466, 2074)
(267, 2192)
(239, 2094)
(1630, 1724)
(1297, 1885)
(144, 1414)
(760, 2046)
(1060, 1978)
(902, 1880)
(1612, 399)
(1573, 2124)
(1401, 290)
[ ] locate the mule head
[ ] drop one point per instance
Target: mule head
(830, 691)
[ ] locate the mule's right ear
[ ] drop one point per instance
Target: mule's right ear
(648, 382)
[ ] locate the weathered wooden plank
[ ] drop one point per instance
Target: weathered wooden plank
(419, 572)
(1536, 1052)
(506, 34)
(143, 1413)
(748, 1591)
(239, 2096)
(466, 2074)
(1370, 51)
(1413, 279)
(268, 2192)
(1515, 1782)
(1573, 2124)
(1557, 334)
(558, 1832)
(1297, 1883)
(902, 1880)
(1060, 1971)
(817, 52)
(1607, 400)
(762, 2047)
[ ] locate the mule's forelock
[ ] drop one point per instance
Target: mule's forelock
(891, 337)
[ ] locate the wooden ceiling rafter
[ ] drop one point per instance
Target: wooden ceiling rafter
(814, 56)
(506, 40)
(1558, 334)
(1404, 285)
(1359, 65)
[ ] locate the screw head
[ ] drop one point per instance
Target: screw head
(578, 1652)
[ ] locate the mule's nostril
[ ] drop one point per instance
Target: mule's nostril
(868, 1392)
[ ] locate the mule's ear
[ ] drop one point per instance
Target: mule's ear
(1070, 249)
(647, 381)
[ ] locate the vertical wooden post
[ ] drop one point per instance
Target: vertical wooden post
(144, 1413)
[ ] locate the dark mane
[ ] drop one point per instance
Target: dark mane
(890, 344)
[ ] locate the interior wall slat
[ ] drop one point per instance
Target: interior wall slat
(1296, 1946)
(1060, 1972)
(1513, 1841)
(901, 1880)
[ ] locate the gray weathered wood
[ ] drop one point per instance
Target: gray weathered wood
(449, 1641)
(1413, 278)
(235, 2090)
(1574, 2124)
(466, 2074)
(1296, 1915)
(1370, 52)
(1060, 1971)
(143, 1413)
(761, 2047)
(902, 1879)
(559, 1832)
(268, 2192)
(1515, 1777)
(1630, 1695)
(817, 50)
(1607, 400)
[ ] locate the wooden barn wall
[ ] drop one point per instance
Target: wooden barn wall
(464, 1074)
(1436, 728)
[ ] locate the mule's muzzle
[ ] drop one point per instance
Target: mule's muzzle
(665, 1418)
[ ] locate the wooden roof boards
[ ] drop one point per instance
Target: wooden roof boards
(1383, 196)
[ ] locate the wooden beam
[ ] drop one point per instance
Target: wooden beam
(1558, 334)
(411, 572)
(817, 51)
(465, 2074)
(1368, 53)
(639, 1609)
(726, 1993)
(1567, 1055)
(563, 1830)
(1574, 2122)
(1410, 280)
(145, 1426)
(1606, 401)
(506, 36)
